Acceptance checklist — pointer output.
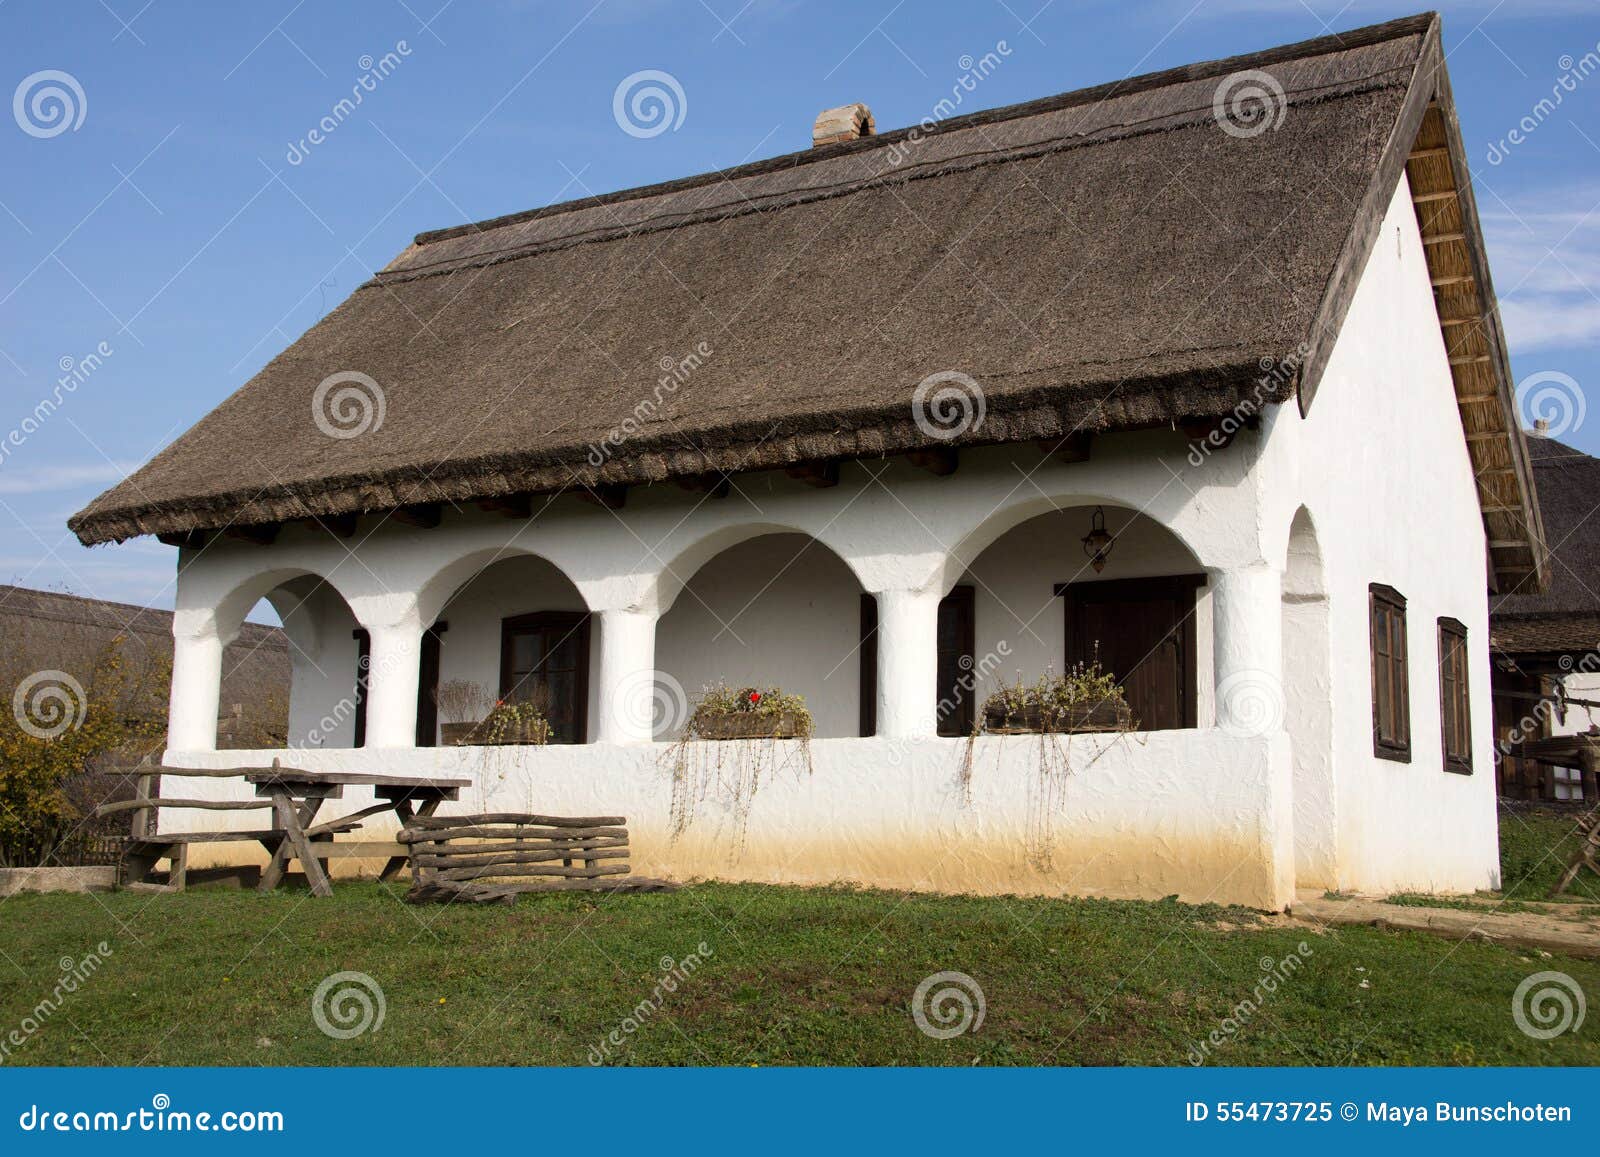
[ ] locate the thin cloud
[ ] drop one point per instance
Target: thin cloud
(1543, 251)
(16, 479)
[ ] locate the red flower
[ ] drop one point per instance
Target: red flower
(755, 697)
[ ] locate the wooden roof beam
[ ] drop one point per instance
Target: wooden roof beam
(611, 496)
(818, 474)
(339, 525)
(262, 534)
(1073, 447)
(716, 485)
(510, 505)
(938, 460)
(424, 515)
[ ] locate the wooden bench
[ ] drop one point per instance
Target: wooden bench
(144, 849)
(457, 857)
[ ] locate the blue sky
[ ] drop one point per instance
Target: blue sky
(187, 226)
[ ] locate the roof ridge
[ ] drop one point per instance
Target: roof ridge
(1317, 46)
(82, 609)
(963, 162)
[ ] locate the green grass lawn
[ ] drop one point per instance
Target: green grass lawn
(793, 976)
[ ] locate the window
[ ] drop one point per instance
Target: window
(544, 659)
(1142, 632)
(953, 709)
(363, 674)
(868, 709)
(1391, 696)
(1455, 713)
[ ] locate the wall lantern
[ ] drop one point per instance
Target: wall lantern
(1097, 543)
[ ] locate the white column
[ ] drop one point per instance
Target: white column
(908, 661)
(633, 695)
(1247, 611)
(196, 682)
(392, 682)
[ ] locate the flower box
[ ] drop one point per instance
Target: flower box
(748, 725)
(487, 733)
(1104, 715)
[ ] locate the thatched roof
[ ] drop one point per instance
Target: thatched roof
(1105, 259)
(51, 631)
(1566, 618)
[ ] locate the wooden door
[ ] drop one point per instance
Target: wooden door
(1143, 633)
(428, 686)
(544, 659)
(956, 642)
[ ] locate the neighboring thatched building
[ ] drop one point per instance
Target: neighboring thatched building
(1546, 647)
(51, 631)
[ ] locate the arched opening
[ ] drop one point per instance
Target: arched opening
(774, 610)
(1032, 602)
(1308, 707)
(297, 685)
(515, 629)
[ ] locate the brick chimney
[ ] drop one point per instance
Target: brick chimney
(845, 123)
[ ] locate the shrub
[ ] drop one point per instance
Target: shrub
(1056, 702)
(38, 768)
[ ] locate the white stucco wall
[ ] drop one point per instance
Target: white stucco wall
(1177, 812)
(1382, 467)
(780, 610)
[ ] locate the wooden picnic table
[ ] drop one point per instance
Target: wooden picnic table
(297, 795)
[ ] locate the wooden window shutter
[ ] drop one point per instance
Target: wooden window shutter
(1391, 693)
(1455, 702)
